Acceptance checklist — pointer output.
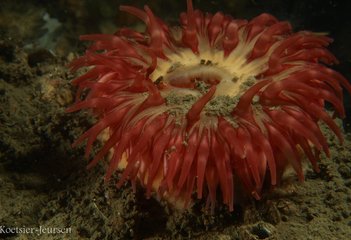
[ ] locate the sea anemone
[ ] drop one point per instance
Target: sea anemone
(209, 100)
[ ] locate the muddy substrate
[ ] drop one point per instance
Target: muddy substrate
(44, 183)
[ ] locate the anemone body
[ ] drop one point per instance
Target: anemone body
(213, 99)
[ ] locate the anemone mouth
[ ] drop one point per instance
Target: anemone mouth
(186, 77)
(139, 89)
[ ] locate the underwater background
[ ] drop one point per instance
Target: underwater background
(44, 184)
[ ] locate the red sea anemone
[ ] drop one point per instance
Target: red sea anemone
(210, 100)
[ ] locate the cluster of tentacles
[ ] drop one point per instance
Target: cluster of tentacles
(270, 116)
